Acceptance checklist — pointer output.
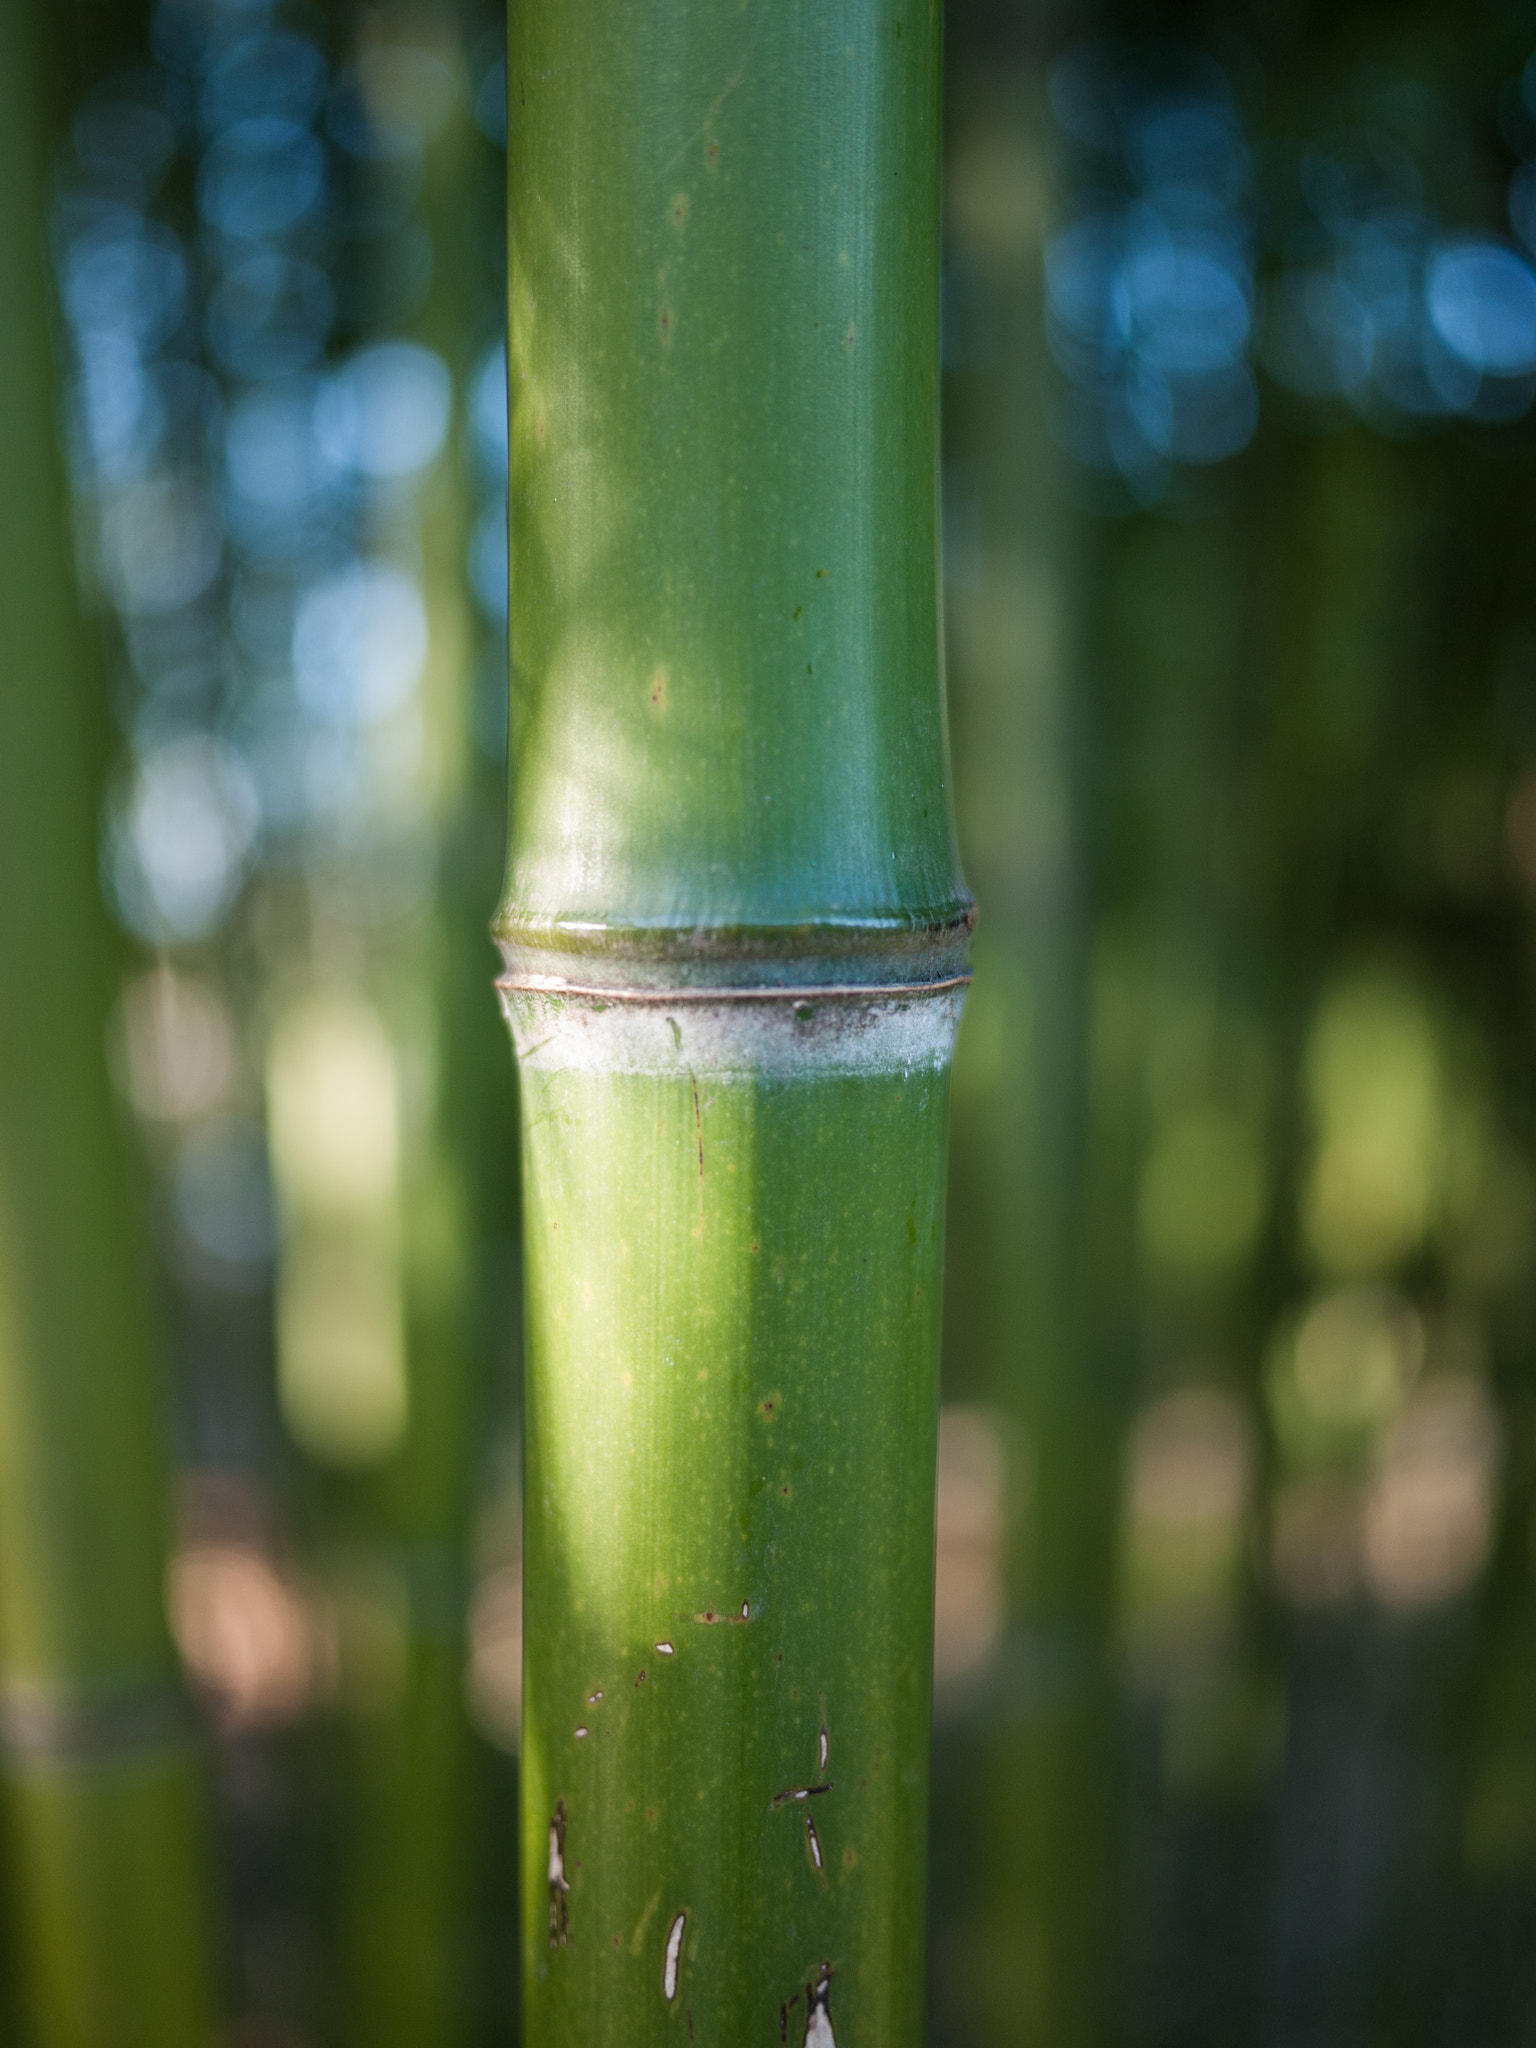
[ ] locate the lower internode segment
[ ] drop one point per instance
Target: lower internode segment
(734, 1229)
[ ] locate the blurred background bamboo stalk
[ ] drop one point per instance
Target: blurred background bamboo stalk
(1031, 1755)
(1292, 885)
(102, 1781)
(392, 1507)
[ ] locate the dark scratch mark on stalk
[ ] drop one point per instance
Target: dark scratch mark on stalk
(698, 1122)
(793, 1792)
(818, 2011)
(559, 1885)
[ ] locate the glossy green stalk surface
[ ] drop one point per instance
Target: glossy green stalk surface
(735, 936)
(732, 1306)
(99, 1781)
(724, 361)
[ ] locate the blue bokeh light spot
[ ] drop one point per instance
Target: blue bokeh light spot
(267, 73)
(1188, 309)
(1481, 297)
(260, 177)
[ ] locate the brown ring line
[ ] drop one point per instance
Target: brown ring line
(872, 991)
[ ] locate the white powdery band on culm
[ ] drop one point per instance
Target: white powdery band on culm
(751, 1032)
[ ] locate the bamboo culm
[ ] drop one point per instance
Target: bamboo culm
(100, 1779)
(735, 939)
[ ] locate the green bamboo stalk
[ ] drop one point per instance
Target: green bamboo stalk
(735, 938)
(393, 1522)
(1030, 1930)
(100, 1783)
(406, 1905)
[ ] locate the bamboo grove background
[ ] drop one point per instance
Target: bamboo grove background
(1236, 1726)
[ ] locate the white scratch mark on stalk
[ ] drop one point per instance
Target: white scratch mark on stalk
(674, 1950)
(664, 1650)
(559, 1888)
(581, 1734)
(813, 1840)
(823, 1750)
(594, 1697)
(818, 2021)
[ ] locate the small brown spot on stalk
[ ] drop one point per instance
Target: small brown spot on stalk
(713, 1615)
(657, 693)
(851, 337)
(680, 206)
(850, 1857)
(664, 323)
(640, 1681)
